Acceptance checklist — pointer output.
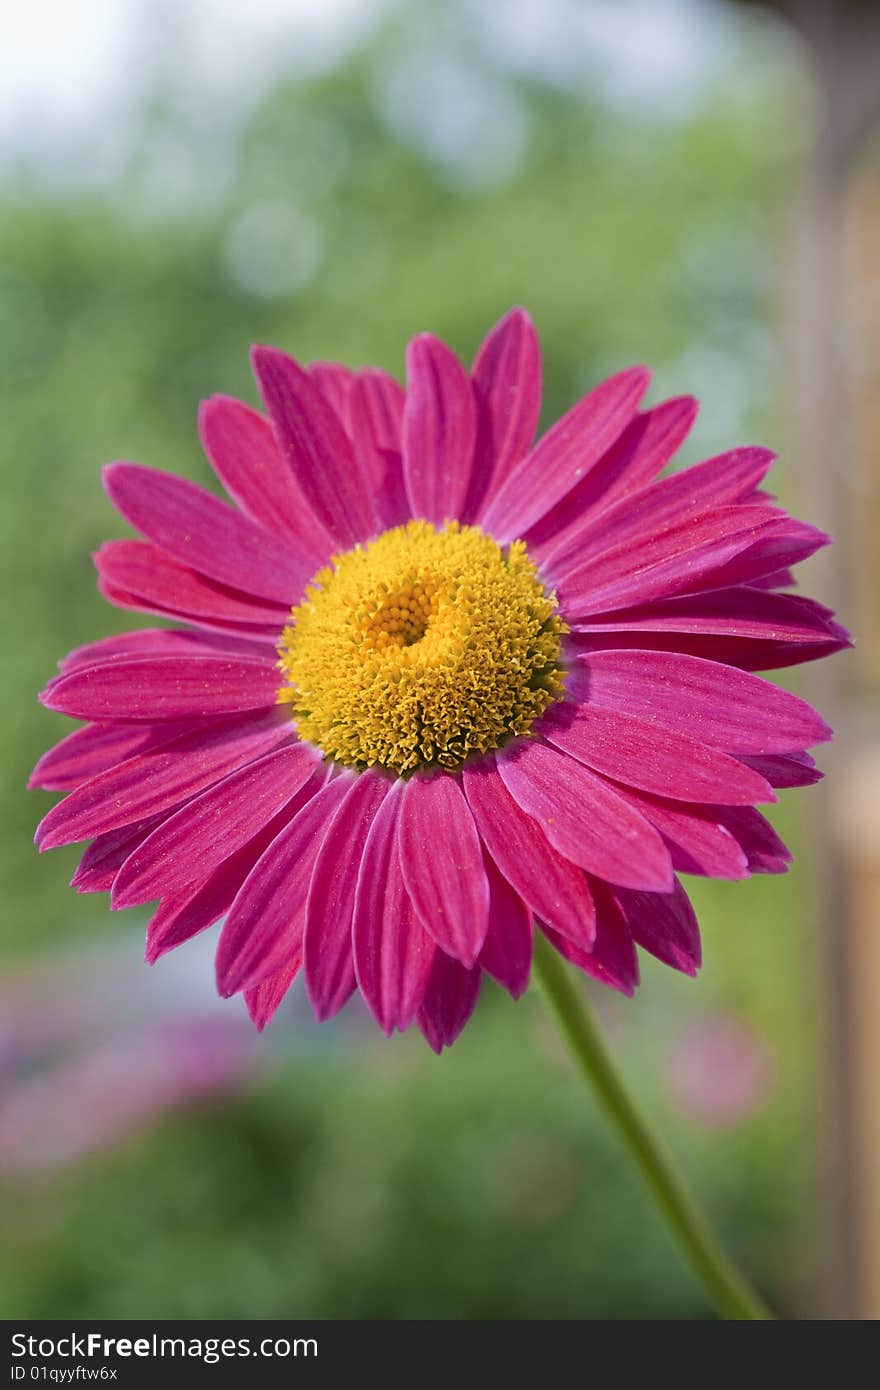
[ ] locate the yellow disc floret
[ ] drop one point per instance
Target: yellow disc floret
(421, 649)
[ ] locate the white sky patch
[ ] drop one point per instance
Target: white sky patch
(77, 74)
(659, 56)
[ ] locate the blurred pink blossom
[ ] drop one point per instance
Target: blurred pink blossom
(719, 1071)
(99, 1097)
(87, 1058)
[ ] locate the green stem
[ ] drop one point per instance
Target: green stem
(728, 1291)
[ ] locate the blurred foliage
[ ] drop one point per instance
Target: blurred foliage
(387, 1184)
(377, 1183)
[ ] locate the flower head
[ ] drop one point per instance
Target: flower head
(436, 686)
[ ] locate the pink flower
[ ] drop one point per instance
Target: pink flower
(720, 1071)
(436, 685)
(95, 1098)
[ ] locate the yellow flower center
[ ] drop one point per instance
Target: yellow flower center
(421, 649)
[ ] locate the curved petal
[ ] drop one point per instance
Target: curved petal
(439, 430)
(393, 954)
(192, 842)
(244, 454)
(780, 544)
(258, 636)
(584, 818)
(613, 960)
(206, 534)
(442, 864)
(449, 1000)
(160, 640)
(651, 756)
(311, 437)
(335, 383)
(766, 853)
(745, 653)
(161, 583)
(327, 944)
(376, 414)
(716, 704)
(740, 611)
(87, 752)
(715, 483)
(164, 687)
(779, 579)
(262, 1000)
(550, 884)
(263, 932)
(786, 769)
(664, 924)
(696, 837)
(107, 853)
(201, 904)
(507, 950)
(643, 450)
(162, 777)
(562, 457)
(507, 383)
(686, 556)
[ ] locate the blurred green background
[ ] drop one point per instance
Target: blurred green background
(422, 168)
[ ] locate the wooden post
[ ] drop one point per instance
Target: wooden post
(836, 459)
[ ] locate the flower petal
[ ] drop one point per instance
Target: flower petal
(507, 950)
(192, 842)
(163, 585)
(107, 853)
(335, 383)
(685, 556)
(245, 456)
(376, 415)
(317, 447)
(766, 853)
(264, 929)
(262, 1000)
(89, 751)
(692, 491)
(613, 960)
(651, 756)
(442, 864)
(164, 687)
(740, 611)
(584, 818)
(781, 543)
(185, 914)
(159, 640)
(449, 1000)
(507, 382)
(786, 769)
(206, 534)
(642, 451)
(550, 884)
(697, 840)
(162, 777)
(327, 944)
(664, 924)
(439, 430)
(259, 636)
(562, 457)
(745, 653)
(716, 704)
(779, 579)
(393, 954)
